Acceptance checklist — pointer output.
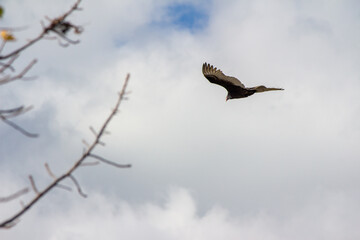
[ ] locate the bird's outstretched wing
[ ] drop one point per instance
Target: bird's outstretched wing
(218, 77)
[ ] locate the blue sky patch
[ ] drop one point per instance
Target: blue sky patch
(187, 16)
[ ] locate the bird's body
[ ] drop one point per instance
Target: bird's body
(234, 87)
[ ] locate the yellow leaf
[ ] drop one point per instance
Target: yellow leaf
(7, 36)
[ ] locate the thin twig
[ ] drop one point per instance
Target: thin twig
(110, 162)
(64, 187)
(93, 130)
(33, 185)
(15, 195)
(9, 63)
(86, 164)
(77, 186)
(85, 143)
(18, 128)
(66, 39)
(14, 112)
(47, 167)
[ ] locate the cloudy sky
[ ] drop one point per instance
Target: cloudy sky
(277, 165)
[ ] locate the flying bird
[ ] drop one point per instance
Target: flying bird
(234, 87)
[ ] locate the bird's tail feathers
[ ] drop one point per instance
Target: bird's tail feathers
(264, 89)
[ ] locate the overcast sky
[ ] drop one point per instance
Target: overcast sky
(276, 165)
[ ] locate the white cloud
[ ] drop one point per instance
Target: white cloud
(332, 216)
(272, 152)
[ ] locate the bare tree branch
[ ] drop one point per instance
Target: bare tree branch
(88, 152)
(54, 26)
(60, 27)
